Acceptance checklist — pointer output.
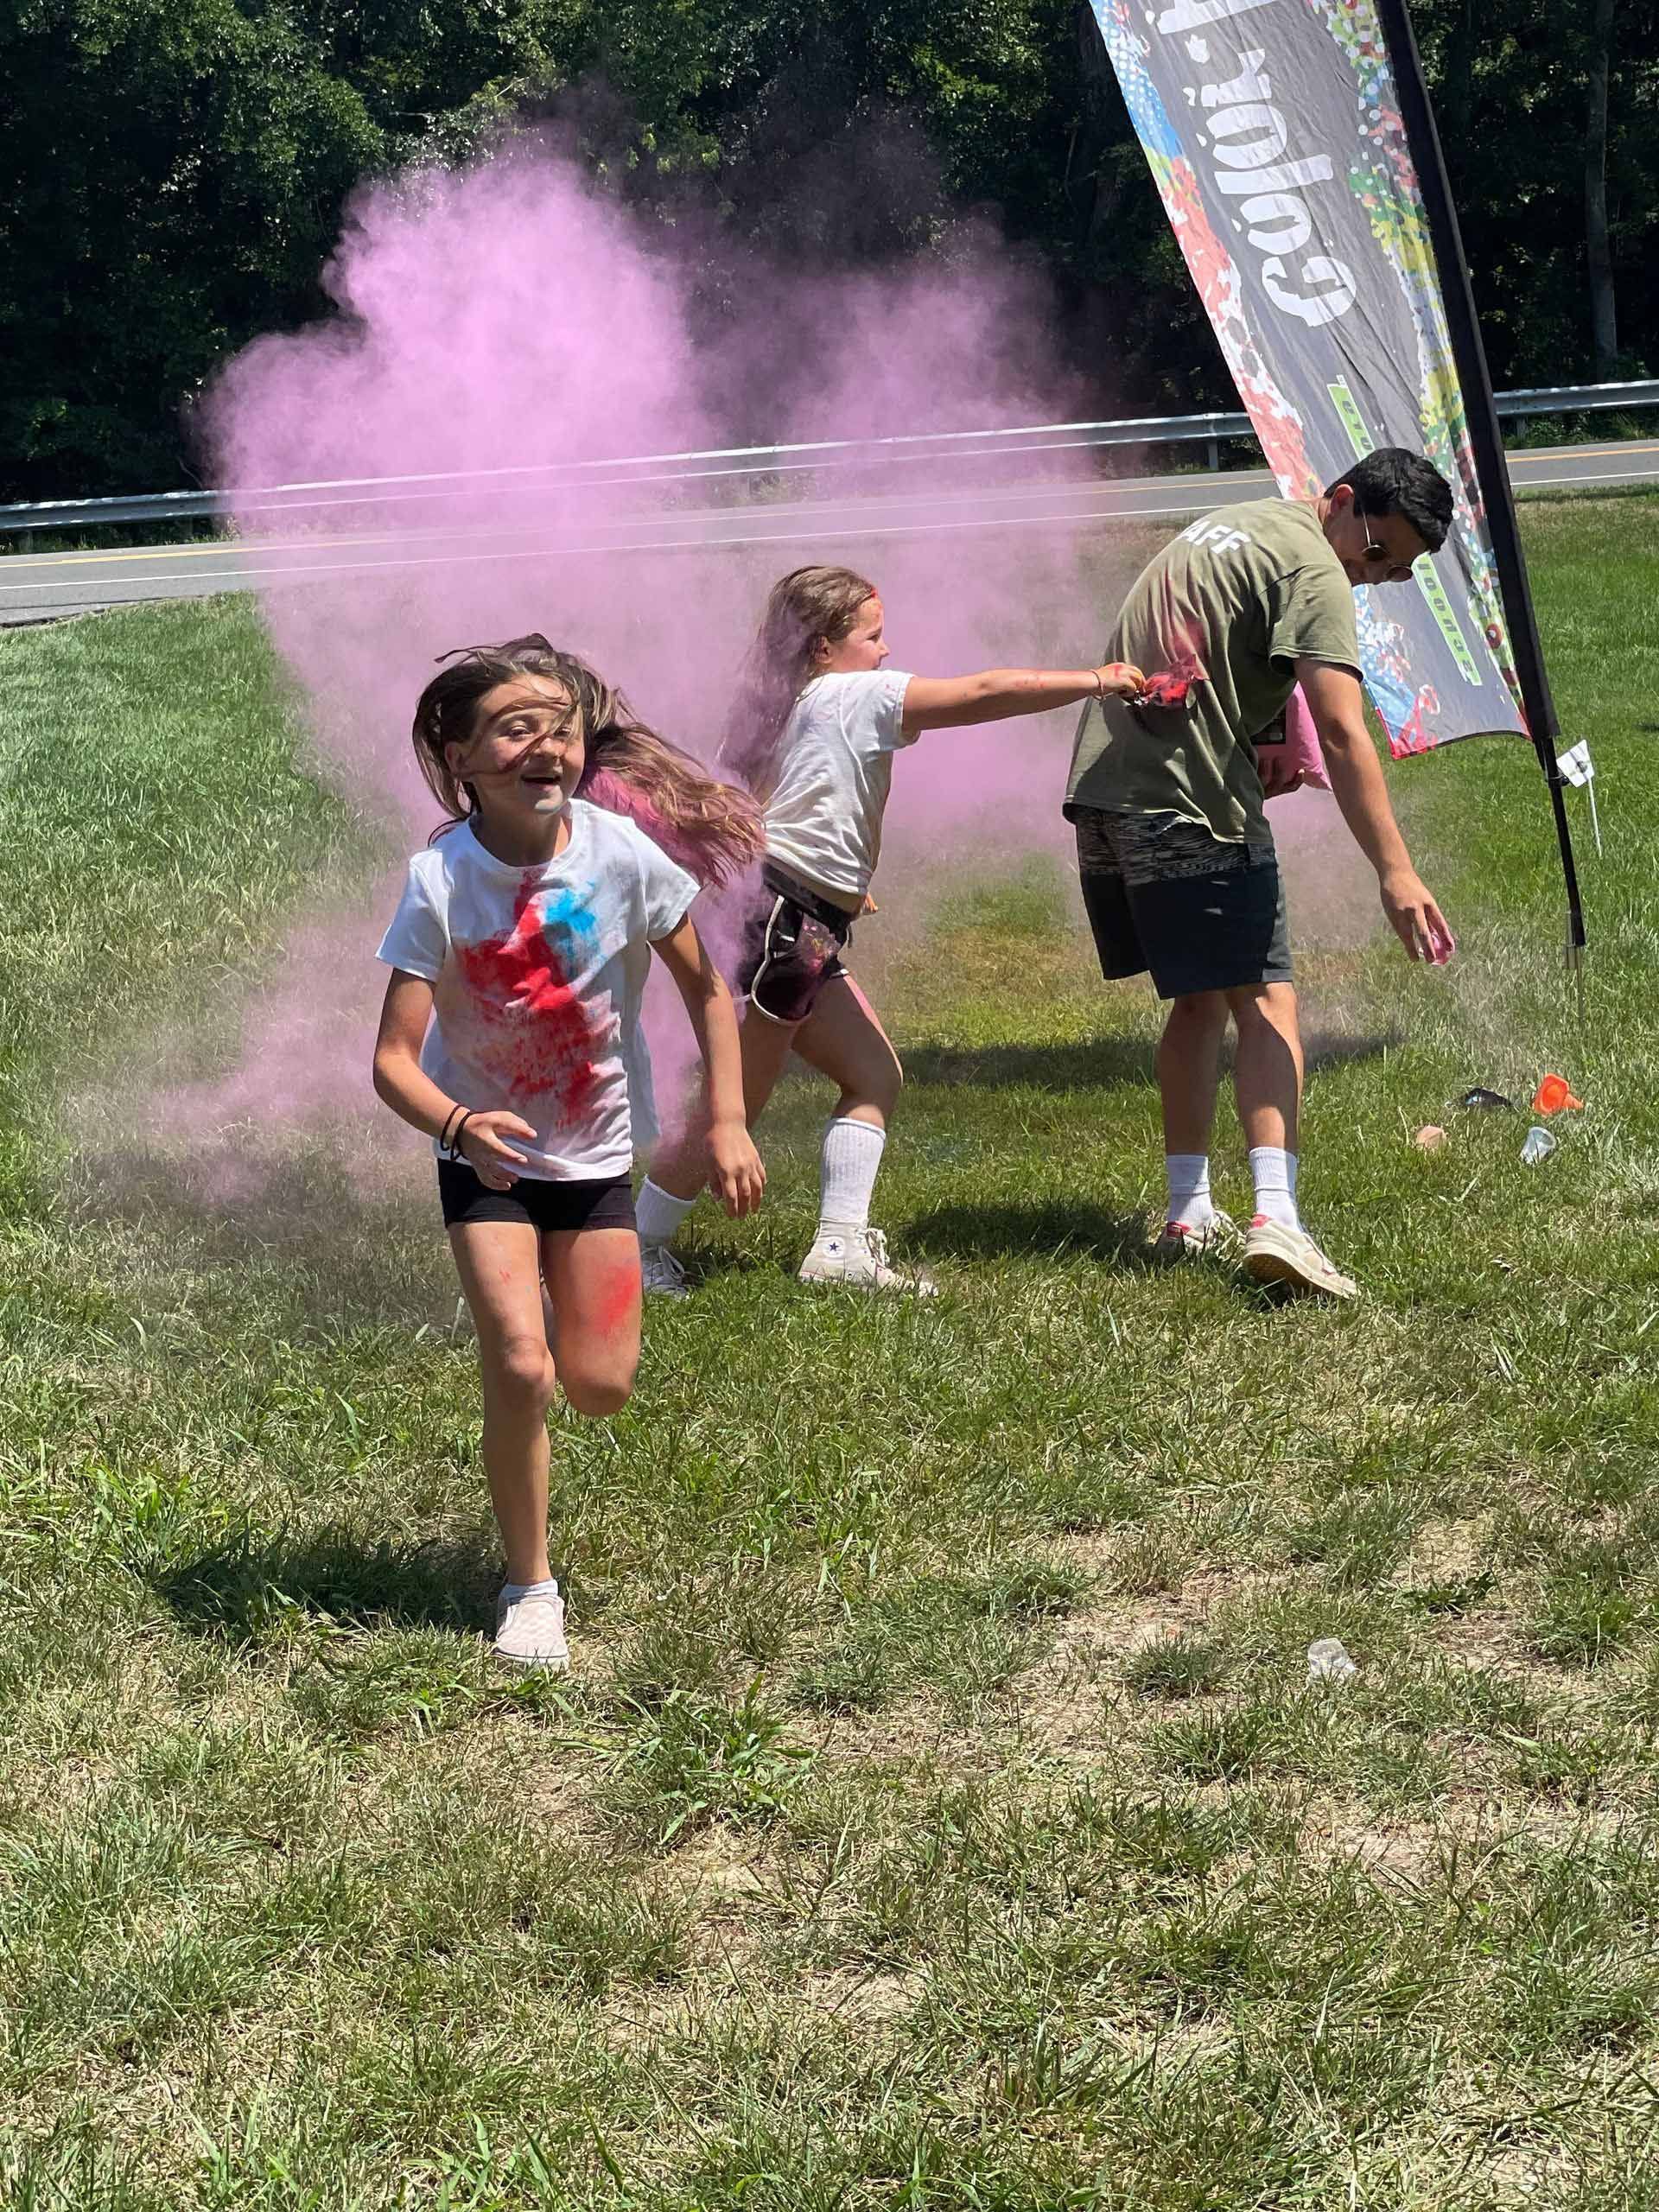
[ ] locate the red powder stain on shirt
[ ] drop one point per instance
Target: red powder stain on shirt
(1164, 687)
(521, 992)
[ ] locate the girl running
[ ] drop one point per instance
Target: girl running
(509, 1035)
(816, 723)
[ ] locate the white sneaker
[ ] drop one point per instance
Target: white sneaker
(858, 1258)
(660, 1272)
(1275, 1254)
(1217, 1238)
(530, 1632)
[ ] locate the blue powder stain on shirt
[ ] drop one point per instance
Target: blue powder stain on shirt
(564, 912)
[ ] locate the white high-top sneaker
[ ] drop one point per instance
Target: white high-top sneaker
(858, 1259)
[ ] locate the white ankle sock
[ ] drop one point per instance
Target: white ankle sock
(1275, 1175)
(658, 1214)
(852, 1156)
(513, 1592)
(1189, 1188)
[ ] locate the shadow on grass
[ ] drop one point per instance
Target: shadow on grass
(1104, 1063)
(1047, 1226)
(248, 1587)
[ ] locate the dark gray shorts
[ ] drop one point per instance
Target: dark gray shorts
(1162, 895)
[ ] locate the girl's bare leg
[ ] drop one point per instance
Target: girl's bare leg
(501, 1276)
(682, 1169)
(843, 1038)
(592, 1281)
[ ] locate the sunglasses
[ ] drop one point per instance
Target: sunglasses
(1374, 555)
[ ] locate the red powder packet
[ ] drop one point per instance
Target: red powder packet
(1172, 686)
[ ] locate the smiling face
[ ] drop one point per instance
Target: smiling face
(526, 752)
(863, 646)
(1372, 549)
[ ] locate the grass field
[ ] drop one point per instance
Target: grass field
(937, 1814)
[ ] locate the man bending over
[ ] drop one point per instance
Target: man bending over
(1180, 874)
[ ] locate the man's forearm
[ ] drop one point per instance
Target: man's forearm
(1356, 783)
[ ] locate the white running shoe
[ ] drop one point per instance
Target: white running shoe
(1215, 1239)
(1275, 1254)
(530, 1633)
(660, 1272)
(858, 1258)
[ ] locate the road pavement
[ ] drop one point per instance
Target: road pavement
(45, 586)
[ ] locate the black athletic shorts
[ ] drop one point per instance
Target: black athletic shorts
(545, 1205)
(792, 946)
(1163, 895)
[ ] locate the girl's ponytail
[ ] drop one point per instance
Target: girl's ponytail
(806, 607)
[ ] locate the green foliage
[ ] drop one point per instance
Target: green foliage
(937, 1813)
(175, 173)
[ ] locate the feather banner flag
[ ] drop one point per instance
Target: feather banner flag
(1274, 134)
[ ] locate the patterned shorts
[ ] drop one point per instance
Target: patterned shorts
(792, 943)
(1162, 895)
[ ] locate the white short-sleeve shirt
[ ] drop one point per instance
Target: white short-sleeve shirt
(538, 975)
(824, 819)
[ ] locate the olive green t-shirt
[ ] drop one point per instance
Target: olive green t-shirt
(1245, 593)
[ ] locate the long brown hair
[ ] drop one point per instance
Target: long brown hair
(709, 827)
(802, 608)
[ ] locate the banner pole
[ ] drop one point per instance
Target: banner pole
(1423, 138)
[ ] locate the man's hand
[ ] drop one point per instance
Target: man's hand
(1416, 921)
(735, 1175)
(485, 1148)
(1273, 765)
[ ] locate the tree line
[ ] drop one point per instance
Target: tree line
(176, 170)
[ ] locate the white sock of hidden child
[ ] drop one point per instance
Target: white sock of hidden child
(852, 1158)
(658, 1214)
(1189, 1189)
(1273, 1172)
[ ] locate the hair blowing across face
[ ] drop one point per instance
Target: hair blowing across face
(709, 827)
(805, 609)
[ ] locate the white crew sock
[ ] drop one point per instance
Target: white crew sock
(852, 1155)
(513, 1592)
(1189, 1189)
(1275, 1175)
(658, 1214)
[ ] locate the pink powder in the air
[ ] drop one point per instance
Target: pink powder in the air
(503, 328)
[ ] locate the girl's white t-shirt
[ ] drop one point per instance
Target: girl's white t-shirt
(824, 819)
(538, 975)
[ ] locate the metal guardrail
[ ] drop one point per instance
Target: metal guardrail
(816, 456)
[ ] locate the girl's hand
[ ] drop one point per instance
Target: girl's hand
(1121, 679)
(735, 1174)
(870, 905)
(484, 1147)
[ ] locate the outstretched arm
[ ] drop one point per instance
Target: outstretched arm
(994, 694)
(1335, 701)
(736, 1175)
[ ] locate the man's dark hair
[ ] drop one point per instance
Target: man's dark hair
(1394, 481)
